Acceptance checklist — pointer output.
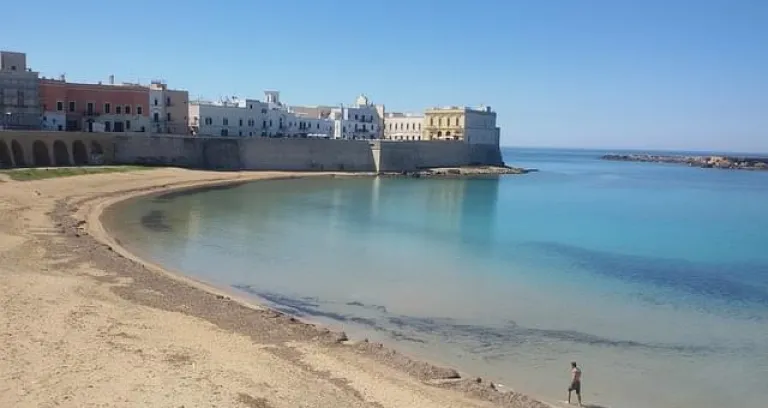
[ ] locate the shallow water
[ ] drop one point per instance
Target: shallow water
(653, 277)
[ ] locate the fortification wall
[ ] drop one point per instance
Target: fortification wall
(306, 154)
(45, 148)
(20, 149)
(160, 150)
(410, 156)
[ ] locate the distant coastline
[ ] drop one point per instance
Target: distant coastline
(716, 162)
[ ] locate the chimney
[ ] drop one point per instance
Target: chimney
(111, 79)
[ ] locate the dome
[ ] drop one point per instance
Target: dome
(362, 100)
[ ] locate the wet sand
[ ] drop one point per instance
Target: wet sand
(83, 322)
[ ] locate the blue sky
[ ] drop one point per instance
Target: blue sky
(677, 74)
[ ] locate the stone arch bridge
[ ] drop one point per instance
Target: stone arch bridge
(48, 149)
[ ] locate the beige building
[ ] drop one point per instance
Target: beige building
(169, 109)
(403, 126)
(472, 126)
(19, 93)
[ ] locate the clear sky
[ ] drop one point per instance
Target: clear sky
(690, 74)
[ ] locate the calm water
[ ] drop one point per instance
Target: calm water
(653, 277)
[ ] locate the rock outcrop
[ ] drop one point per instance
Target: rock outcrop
(719, 162)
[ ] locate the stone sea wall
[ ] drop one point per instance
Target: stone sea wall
(301, 154)
(42, 149)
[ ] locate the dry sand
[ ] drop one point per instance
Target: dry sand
(84, 323)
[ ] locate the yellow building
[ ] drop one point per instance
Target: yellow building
(473, 126)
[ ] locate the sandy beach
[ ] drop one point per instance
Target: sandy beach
(84, 323)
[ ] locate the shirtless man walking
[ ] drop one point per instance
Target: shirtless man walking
(575, 382)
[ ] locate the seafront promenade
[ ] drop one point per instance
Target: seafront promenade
(86, 322)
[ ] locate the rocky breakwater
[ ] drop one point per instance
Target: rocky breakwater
(718, 162)
(461, 172)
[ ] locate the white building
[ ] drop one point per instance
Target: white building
(403, 126)
(229, 118)
(314, 127)
(360, 121)
(234, 117)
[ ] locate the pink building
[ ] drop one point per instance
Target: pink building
(94, 107)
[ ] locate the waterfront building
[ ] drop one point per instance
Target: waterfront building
(313, 121)
(472, 126)
(98, 107)
(229, 117)
(19, 88)
(363, 120)
(313, 127)
(169, 109)
(403, 126)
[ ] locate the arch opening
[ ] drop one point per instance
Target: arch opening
(60, 154)
(40, 153)
(5, 156)
(79, 153)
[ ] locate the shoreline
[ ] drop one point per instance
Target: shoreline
(78, 224)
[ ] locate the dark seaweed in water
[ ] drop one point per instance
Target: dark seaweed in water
(155, 220)
(487, 340)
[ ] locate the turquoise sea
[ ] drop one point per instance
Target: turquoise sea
(653, 277)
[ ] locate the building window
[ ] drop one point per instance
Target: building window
(72, 106)
(107, 126)
(89, 108)
(224, 132)
(118, 109)
(156, 117)
(209, 121)
(241, 122)
(59, 106)
(240, 133)
(107, 108)
(155, 101)
(139, 110)
(439, 121)
(431, 121)
(225, 122)
(168, 101)
(127, 109)
(168, 116)
(263, 124)
(419, 126)
(263, 110)
(127, 125)
(457, 121)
